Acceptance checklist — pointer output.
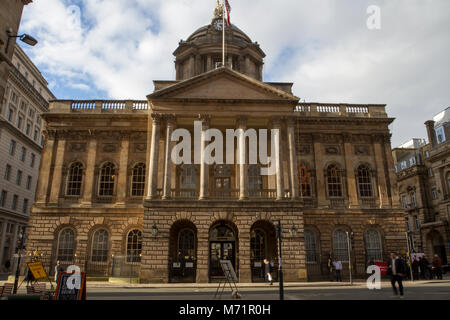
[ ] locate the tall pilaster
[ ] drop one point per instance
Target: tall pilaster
(276, 125)
(57, 171)
(90, 171)
(243, 167)
(44, 172)
(319, 164)
(204, 168)
(350, 171)
(292, 158)
(154, 155)
(381, 175)
(123, 169)
(167, 186)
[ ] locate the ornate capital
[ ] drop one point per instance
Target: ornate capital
(205, 119)
(241, 121)
(156, 118)
(276, 122)
(347, 137)
(170, 119)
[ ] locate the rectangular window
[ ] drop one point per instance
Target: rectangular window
(404, 202)
(29, 180)
(403, 165)
(28, 129)
(12, 148)
(14, 202)
(10, 114)
(430, 172)
(434, 194)
(7, 172)
(440, 135)
(412, 161)
(413, 199)
(3, 198)
(416, 223)
(35, 135)
(23, 154)
(19, 178)
(25, 206)
(33, 158)
(19, 122)
(407, 224)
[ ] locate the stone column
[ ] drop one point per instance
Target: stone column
(167, 185)
(381, 174)
(204, 168)
(320, 178)
(350, 171)
(57, 171)
(209, 66)
(90, 172)
(202, 257)
(392, 176)
(243, 167)
(276, 124)
(154, 155)
(123, 169)
(44, 172)
(292, 158)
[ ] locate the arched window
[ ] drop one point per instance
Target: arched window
(340, 245)
(364, 182)
(74, 179)
(186, 244)
(100, 246)
(138, 180)
(373, 245)
(334, 181)
(304, 181)
(66, 245)
(188, 177)
(107, 178)
(310, 244)
(258, 245)
(254, 177)
(134, 246)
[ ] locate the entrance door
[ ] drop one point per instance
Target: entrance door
(220, 251)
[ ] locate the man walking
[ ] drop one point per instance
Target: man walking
(396, 269)
(268, 272)
(338, 267)
(330, 267)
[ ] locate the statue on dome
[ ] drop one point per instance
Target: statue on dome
(218, 11)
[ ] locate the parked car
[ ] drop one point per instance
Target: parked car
(446, 268)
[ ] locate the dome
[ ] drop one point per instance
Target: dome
(202, 32)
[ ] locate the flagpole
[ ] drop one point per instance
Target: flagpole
(223, 33)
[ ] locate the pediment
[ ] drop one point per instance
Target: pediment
(222, 84)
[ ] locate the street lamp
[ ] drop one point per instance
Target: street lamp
(22, 238)
(293, 231)
(24, 38)
(349, 247)
(279, 233)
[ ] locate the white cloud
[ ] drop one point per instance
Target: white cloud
(323, 47)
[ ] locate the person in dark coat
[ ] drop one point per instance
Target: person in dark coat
(437, 267)
(29, 277)
(424, 267)
(397, 271)
(268, 272)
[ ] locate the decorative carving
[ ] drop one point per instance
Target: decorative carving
(362, 150)
(109, 147)
(304, 150)
(331, 138)
(333, 150)
(77, 147)
(140, 147)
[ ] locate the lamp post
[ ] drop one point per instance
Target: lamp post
(349, 247)
(155, 230)
(22, 237)
(23, 37)
(279, 234)
(408, 246)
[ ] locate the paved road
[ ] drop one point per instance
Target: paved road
(431, 291)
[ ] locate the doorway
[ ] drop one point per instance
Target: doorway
(222, 246)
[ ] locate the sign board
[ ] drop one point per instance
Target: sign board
(66, 288)
(383, 267)
(189, 264)
(228, 270)
(176, 264)
(37, 269)
(258, 264)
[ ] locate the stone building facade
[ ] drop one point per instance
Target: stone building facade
(111, 200)
(423, 176)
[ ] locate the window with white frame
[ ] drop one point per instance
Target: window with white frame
(66, 245)
(434, 194)
(74, 179)
(100, 246)
(404, 201)
(340, 245)
(374, 249)
(138, 180)
(413, 199)
(134, 246)
(107, 180)
(310, 246)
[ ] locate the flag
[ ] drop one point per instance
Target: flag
(228, 8)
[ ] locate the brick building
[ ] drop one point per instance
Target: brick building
(423, 175)
(111, 200)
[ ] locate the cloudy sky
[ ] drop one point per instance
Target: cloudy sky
(115, 49)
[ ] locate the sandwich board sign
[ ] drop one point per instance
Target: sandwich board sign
(37, 269)
(230, 280)
(71, 286)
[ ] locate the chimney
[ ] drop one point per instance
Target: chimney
(431, 133)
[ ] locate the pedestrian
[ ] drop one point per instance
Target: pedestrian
(330, 267)
(437, 267)
(268, 272)
(371, 262)
(337, 264)
(397, 271)
(415, 267)
(58, 268)
(424, 269)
